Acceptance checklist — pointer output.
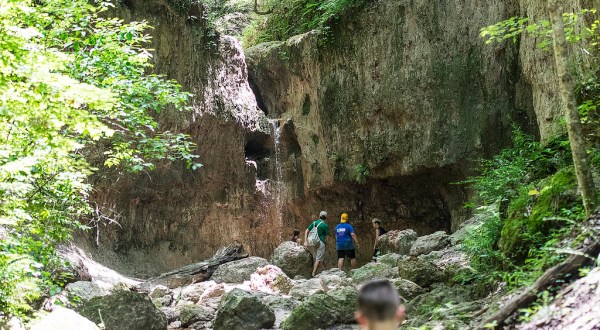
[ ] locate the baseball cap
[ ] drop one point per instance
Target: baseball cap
(323, 214)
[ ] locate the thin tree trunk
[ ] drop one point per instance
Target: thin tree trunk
(582, 167)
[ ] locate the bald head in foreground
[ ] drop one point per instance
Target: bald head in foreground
(379, 306)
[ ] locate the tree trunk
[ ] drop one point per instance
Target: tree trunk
(580, 161)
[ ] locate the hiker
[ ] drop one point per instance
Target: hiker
(315, 236)
(344, 237)
(296, 237)
(379, 231)
(379, 306)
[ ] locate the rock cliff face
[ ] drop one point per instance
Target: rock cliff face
(173, 216)
(376, 120)
(401, 94)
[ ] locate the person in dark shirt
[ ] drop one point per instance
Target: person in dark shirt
(344, 242)
(296, 237)
(379, 231)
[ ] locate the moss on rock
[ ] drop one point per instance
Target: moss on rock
(526, 225)
(323, 310)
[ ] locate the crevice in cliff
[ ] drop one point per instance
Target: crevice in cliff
(258, 150)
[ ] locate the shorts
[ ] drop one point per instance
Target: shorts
(320, 253)
(346, 253)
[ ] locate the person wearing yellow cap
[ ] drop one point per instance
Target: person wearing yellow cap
(345, 242)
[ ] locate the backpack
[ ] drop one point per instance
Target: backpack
(313, 235)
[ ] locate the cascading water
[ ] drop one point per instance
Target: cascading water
(278, 182)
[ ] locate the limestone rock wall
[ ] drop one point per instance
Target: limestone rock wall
(173, 216)
(402, 95)
(377, 120)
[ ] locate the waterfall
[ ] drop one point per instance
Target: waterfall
(278, 182)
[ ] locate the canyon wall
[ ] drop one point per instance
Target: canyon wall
(380, 118)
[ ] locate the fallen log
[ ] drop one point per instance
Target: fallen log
(197, 272)
(570, 265)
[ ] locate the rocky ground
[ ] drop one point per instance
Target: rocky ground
(255, 293)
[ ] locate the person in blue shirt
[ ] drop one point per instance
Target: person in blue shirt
(345, 242)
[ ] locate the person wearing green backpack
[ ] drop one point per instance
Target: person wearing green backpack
(315, 237)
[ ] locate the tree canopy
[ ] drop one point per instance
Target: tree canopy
(70, 78)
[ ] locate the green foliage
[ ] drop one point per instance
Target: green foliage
(535, 187)
(361, 173)
(481, 243)
(504, 176)
(292, 17)
(577, 28)
(69, 79)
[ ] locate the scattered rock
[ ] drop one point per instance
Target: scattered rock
(293, 259)
(189, 314)
(372, 271)
(399, 242)
(391, 259)
(63, 319)
(125, 310)
(323, 310)
(455, 303)
(282, 307)
(334, 278)
(85, 290)
(170, 313)
(407, 289)
(577, 307)
(161, 296)
(450, 260)
(305, 288)
(481, 213)
(421, 272)
(193, 292)
(270, 279)
(238, 271)
(159, 292)
(243, 310)
(426, 244)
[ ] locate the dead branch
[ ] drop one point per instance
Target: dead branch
(572, 264)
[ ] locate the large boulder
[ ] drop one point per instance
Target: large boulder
(189, 314)
(397, 241)
(125, 310)
(391, 259)
(323, 310)
(334, 278)
(429, 243)
(373, 270)
(293, 259)
(195, 292)
(270, 279)
(64, 319)
(407, 289)
(84, 290)
(238, 271)
(421, 272)
(306, 288)
(242, 310)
